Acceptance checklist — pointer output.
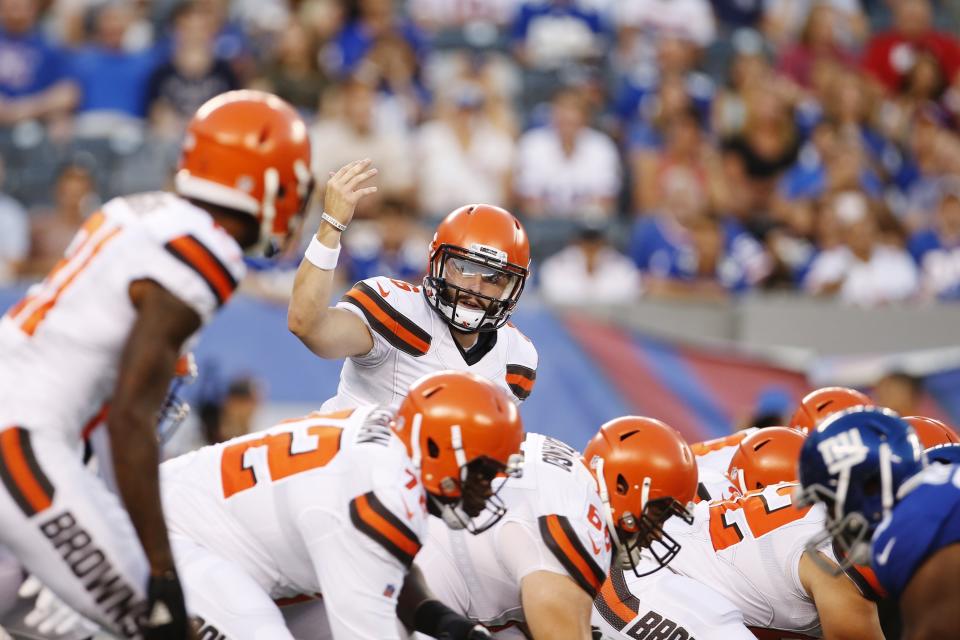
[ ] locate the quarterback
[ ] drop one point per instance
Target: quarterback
(392, 332)
(99, 338)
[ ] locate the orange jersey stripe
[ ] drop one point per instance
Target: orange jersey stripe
(201, 260)
(385, 528)
(29, 326)
(524, 383)
(614, 603)
(389, 323)
(574, 556)
(31, 488)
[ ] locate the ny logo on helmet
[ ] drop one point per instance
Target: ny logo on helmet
(843, 451)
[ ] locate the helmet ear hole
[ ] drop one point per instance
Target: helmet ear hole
(433, 450)
(622, 485)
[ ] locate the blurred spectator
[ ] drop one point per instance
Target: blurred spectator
(733, 14)
(462, 156)
(193, 75)
(392, 245)
(890, 55)
(550, 34)
(684, 150)
(817, 43)
(51, 230)
(293, 72)
(768, 144)
(113, 81)
(232, 415)
(393, 67)
(644, 26)
(370, 21)
(772, 408)
(684, 250)
(354, 133)
(785, 21)
(789, 240)
(863, 270)
(900, 392)
(14, 235)
(589, 271)
(477, 21)
(937, 250)
(34, 78)
(568, 169)
(748, 69)
(935, 154)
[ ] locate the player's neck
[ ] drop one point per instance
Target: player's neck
(465, 340)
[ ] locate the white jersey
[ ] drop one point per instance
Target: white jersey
(410, 340)
(552, 523)
(664, 605)
(274, 503)
(60, 346)
(713, 460)
(748, 550)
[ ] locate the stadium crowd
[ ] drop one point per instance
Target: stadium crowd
(674, 148)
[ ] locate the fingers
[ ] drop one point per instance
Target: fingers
(349, 170)
(361, 177)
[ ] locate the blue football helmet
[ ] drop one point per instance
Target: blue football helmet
(944, 453)
(855, 463)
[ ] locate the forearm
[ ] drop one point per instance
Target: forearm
(312, 289)
(135, 461)
(414, 593)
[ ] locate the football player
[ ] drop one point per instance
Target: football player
(750, 551)
(100, 336)
(336, 505)
(713, 461)
(766, 457)
(536, 572)
(821, 403)
(866, 466)
(392, 332)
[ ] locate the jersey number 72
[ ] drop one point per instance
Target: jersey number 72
(757, 512)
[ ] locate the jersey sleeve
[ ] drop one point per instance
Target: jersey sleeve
(900, 547)
(522, 365)
(185, 253)
(522, 551)
(583, 556)
(390, 309)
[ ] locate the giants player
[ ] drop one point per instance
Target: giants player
(536, 572)
(100, 337)
(392, 332)
(866, 466)
(336, 505)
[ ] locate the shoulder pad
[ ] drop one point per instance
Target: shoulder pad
(521, 364)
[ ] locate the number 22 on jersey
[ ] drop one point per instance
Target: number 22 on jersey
(757, 512)
(277, 456)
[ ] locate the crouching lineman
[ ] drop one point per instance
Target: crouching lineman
(392, 332)
(105, 328)
(336, 505)
(747, 554)
(535, 573)
(866, 466)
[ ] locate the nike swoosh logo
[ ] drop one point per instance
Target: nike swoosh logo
(382, 292)
(884, 555)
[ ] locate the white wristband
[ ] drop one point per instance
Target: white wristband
(333, 222)
(321, 256)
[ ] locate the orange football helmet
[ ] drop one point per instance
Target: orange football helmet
(819, 404)
(248, 151)
(767, 456)
(479, 263)
(461, 431)
(932, 432)
(645, 473)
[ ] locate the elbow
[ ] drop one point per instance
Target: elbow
(298, 323)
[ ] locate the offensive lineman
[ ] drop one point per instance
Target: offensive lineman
(335, 505)
(104, 330)
(536, 572)
(392, 332)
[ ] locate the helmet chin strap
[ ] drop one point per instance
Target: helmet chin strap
(268, 209)
(597, 464)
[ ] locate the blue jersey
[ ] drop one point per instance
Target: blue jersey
(926, 520)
